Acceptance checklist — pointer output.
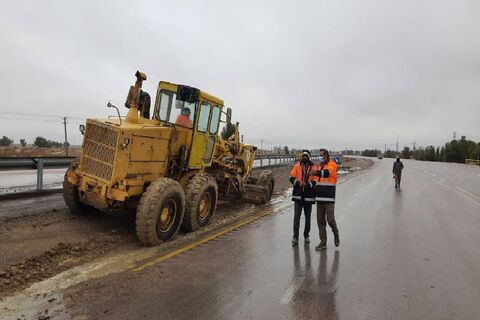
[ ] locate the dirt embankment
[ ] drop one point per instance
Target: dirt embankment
(36, 247)
(354, 164)
(32, 151)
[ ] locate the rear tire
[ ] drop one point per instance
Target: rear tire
(201, 196)
(72, 198)
(160, 212)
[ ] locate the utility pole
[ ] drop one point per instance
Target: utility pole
(261, 144)
(65, 129)
(454, 135)
(385, 148)
(397, 143)
(242, 138)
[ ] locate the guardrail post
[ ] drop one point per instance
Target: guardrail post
(40, 174)
(269, 160)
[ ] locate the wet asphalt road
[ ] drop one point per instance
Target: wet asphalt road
(405, 254)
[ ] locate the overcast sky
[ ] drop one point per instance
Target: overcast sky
(337, 73)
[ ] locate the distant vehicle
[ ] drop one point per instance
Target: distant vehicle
(380, 157)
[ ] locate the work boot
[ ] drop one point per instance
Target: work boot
(321, 246)
(294, 241)
(337, 240)
(307, 240)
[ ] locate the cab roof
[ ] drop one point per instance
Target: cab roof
(202, 94)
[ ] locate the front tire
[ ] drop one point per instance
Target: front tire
(72, 198)
(160, 212)
(201, 196)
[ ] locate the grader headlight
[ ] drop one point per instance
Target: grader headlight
(126, 142)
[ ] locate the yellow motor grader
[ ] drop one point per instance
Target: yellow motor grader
(171, 167)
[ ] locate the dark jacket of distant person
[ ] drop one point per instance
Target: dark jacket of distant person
(397, 167)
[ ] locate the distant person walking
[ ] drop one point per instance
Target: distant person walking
(325, 189)
(397, 172)
(303, 194)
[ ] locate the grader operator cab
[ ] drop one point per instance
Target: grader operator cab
(171, 167)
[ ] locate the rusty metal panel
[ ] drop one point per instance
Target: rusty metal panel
(99, 149)
(100, 134)
(98, 169)
(149, 149)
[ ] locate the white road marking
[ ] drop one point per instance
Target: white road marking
(462, 191)
(290, 292)
(474, 196)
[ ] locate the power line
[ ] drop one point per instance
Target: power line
(41, 115)
(26, 119)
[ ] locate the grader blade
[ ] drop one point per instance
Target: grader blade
(255, 194)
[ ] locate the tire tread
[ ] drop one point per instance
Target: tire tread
(193, 192)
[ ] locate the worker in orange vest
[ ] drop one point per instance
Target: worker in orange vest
(183, 118)
(325, 189)
(303, 194)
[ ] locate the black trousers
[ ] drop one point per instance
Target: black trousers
(398, 176)
(307, 209)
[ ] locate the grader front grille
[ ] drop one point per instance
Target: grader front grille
(99, 149)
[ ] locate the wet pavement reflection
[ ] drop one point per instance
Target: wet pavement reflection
(394, 265)
(316, 297)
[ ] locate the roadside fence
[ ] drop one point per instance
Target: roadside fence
(41, 163)
(35, 163)
(472, 162)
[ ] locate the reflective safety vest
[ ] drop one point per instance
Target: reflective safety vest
(299, 174)
(184, 121)
(326, 182)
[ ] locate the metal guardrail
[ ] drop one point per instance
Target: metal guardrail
(473, 162)
(274, 159)
(38, 163)
(12, 163)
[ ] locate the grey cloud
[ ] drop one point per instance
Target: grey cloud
(334, 73)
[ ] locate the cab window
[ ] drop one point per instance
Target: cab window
(203, 117)
(174, 111)
(215, 120)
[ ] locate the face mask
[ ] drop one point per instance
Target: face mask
(321, 159)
